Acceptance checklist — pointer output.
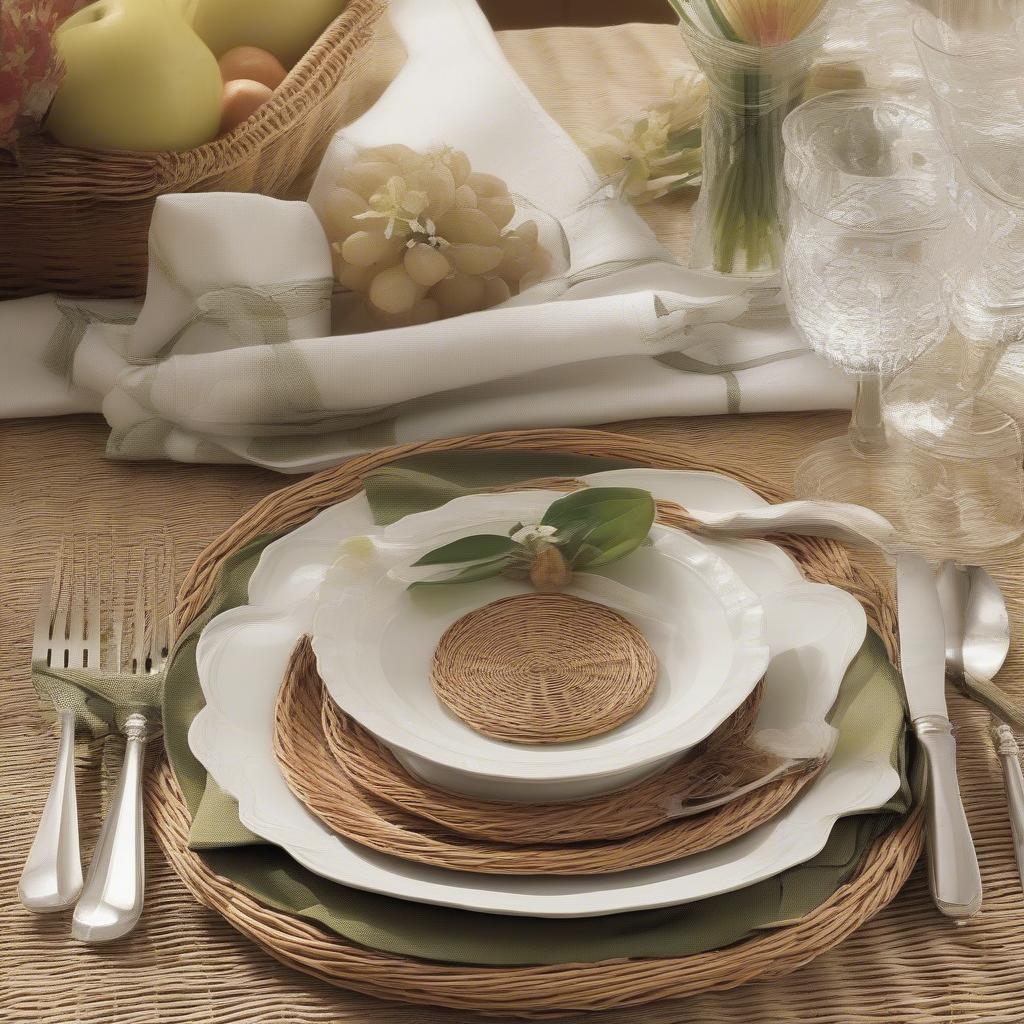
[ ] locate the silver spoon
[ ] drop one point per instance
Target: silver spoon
(977, 642)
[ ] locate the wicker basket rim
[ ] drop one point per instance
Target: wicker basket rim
(96, 175)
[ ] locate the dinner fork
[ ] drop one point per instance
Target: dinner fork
(111, 902)
(67, 635)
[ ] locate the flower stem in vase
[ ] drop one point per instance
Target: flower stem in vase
(756, 56)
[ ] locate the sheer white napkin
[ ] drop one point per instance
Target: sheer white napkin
(236, 355)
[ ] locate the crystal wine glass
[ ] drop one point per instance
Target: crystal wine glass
(868, 222)
(973, 58)
(972, 54)
(974, 67)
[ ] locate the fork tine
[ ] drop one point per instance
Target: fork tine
(93, 609)
(166, 597)
(59, 651)
(41, 642)
(75, 629)
(139, 621)
(154, 563)
(117, 610)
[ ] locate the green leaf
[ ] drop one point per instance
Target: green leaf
(470, 549)
(601, 524)
(483, 570)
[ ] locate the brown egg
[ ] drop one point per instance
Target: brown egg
(242, 97)
(253, 64)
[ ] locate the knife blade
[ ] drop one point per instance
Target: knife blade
(954, 877)
(922, 636)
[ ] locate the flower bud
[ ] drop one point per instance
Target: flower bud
(549, 571)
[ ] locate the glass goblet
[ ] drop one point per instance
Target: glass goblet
(868, 220)
(972, 54)
(973, 61)
(944, 402)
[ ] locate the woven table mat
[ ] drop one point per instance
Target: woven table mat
(186, 965)
(356, 812)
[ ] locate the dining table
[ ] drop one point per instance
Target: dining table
(185, 964)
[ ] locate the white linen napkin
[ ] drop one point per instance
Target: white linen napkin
(234, 356)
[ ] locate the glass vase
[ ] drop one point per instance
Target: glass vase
(739, 214)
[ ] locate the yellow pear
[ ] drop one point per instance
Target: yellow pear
(287, 28)
(138, 78)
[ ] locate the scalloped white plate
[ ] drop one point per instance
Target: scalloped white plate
(813, 633)
(375, 640)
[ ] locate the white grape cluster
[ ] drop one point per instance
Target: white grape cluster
(422, 236)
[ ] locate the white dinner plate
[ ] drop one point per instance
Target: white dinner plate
(813, 633)
(375, 641)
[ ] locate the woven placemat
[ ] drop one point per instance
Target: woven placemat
(542, 990)
(356, 812)
(543, 668)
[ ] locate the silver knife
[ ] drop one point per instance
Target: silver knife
(955, 879)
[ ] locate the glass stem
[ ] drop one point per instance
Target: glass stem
(980, 362)
(867, 427)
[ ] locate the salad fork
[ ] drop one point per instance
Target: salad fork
(67, 635)
(111, 902)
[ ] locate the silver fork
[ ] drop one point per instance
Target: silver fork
(67, 635)
(111, 902)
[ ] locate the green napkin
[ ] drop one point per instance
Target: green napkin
(869, 711)
(100, 703)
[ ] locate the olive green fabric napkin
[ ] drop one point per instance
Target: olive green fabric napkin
(869, 712)
(99, 702)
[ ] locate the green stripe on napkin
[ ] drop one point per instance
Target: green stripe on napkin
(869, 711)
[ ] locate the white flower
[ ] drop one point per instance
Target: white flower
(533, 535)
(399, 205)
(643, 157)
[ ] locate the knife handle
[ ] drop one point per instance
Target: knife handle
(1009, 755)
(954, 876)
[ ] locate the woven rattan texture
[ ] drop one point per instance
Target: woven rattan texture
(185, 964)
(77, 221)
(355, 811)
(722, 763)
(543, 668)
(521, 990)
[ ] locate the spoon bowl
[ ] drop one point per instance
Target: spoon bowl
(977, 623)
(977, 642)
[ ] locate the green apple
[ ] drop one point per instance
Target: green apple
(138, 78)
(287, 28)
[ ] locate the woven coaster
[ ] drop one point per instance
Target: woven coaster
(543, 668)
(358, 813)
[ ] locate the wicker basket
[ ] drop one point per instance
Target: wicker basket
(76, 221)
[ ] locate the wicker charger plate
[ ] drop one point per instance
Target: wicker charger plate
(720, 764)
(543, 668)
(357, 813)
(541, 990)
